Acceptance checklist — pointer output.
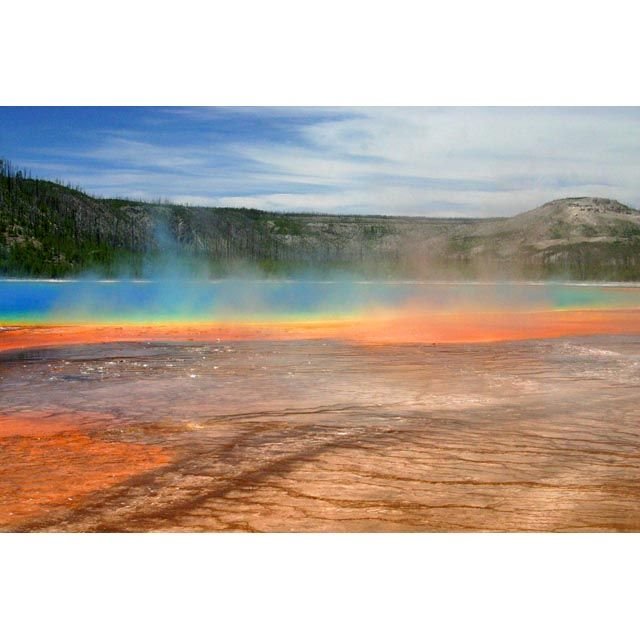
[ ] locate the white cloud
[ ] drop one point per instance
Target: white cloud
(412, 161)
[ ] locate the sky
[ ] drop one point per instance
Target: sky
(433, 161)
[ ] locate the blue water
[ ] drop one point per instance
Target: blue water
(35, 301)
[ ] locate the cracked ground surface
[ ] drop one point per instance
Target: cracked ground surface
(317, 435)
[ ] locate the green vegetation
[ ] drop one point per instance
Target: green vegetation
(41, 231)
(48, 229)
(459, 247)
(374, 231)
(616, 261)
(560, 230)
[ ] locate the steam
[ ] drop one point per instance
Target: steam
(176, 283)
(176, 295)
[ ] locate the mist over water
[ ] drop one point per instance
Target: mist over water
(182, 288)
(201, 301)
(182, 299)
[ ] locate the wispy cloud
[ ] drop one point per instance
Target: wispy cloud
(410, 161)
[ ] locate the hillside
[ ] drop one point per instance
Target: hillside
(51, 230)
(577, 238)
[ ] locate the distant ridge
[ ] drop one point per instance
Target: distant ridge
(578, 237)
(51, 230)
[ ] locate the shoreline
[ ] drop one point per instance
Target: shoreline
(396, 281)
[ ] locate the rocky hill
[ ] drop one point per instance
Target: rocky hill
(51, 230)
(580, 238)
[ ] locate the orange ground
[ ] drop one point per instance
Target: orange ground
(52, 461)
(449, 327)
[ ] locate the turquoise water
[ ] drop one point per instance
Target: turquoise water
(38, 301)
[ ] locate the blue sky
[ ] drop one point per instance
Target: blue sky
(411, 161)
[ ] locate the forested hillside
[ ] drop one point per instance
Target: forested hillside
(51, 230)
(48, 229)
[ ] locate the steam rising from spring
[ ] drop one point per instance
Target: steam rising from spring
(183, 299)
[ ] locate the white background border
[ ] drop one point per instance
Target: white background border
(300, 586)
